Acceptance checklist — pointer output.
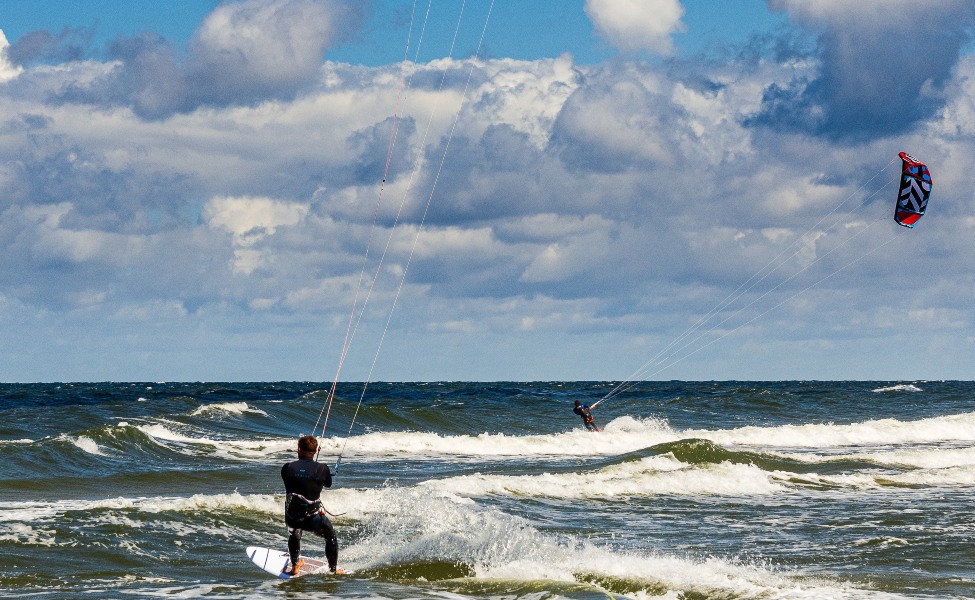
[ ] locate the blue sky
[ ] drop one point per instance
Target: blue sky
(672, 189)
(551, 27)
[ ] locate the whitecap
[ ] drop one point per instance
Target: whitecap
(22, 533)
(260, 450)
(657, 475)
(497, 545)
(620, 436)
(233, 408)
(879, 432)
(902, 387)
(88, 445)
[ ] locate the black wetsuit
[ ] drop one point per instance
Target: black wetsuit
(303, 482)
(587, 420)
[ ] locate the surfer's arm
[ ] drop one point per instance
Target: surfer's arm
(326, 476)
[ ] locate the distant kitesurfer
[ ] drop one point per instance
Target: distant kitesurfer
(303, 511)
(583, 410)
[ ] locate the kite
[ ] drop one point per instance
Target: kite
(912, 199)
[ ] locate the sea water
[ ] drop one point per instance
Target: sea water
(693, 490)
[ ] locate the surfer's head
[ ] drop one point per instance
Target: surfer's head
(307, 446)
(578, 403)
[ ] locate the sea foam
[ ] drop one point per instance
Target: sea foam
(233, 408)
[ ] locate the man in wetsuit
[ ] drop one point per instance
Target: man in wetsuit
(583, 410)
(303, 511)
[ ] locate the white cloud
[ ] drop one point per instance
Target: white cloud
(863, 13)
(278, 41)
(867, 87)
(637, 24)
(582, 212)
(38, 230)
(251, 220)
(525, 95)
(8, 71)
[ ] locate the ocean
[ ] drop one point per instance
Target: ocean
(693, 490)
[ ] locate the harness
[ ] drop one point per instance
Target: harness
(299, 508)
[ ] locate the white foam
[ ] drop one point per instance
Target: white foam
(245, 450)
(865, 440)
(409, 525)
(627, 434)
(22, 533)
(499, 546)
(880, 432)
(924, 458)
(632, 434)
(82, 442)
(649, 476)
(951, 476)
(233, 408)
(622, 435)
(20, 441)
(41, 510)
(88, 445)
(902, 387)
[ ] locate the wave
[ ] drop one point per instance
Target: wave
(632, 457)
(27, 534)
(697, 467)
(688, 467)
(903, 387)
(900, 458)
(622, 436)
(197, 442)
(927, 458)
(660, 475)
(233, 408)
(880, 432)
(88, 445)
(41, 511)
(406, 534)
(410, 532)
(627, 434)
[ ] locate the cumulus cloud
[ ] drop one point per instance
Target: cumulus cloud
(616, 122)
(256, 49)
(584, 214)
(883, 66)
(244, 52)
(71, 43)
(633, 25)
(251, 221)
(7, 69)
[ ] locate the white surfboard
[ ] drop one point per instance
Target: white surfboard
(278, 563)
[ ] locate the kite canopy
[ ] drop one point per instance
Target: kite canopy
(912, 199)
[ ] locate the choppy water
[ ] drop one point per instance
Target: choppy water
(492, 490)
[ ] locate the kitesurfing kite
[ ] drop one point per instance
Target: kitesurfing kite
(912, 199)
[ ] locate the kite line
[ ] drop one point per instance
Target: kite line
(358, 311)
(680, 349)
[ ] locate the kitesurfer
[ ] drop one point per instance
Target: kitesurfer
(303, 511)
(584, 411)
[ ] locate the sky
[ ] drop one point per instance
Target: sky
(280, 190)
